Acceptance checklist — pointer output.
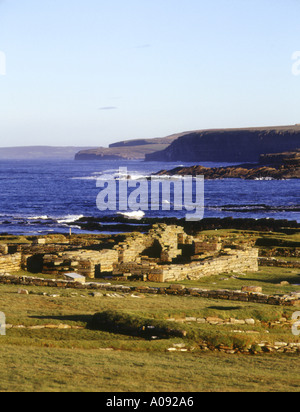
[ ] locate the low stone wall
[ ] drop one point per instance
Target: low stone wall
(234, 261)
(143, 271)
(280, 251)
(253, 349)
(292, 299)
(278, 263)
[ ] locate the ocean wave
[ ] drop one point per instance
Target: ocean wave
(73, 226)
(137, 215)
(125, 174)
(166, 177)
(69, 219)
(265, 178)
(85, 178)
(43, 217)
(255, 208)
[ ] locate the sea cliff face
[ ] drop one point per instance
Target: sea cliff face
(230, 145)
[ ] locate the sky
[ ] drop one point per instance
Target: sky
(93, 72)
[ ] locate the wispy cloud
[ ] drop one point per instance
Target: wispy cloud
(108, 108)
(143, 46)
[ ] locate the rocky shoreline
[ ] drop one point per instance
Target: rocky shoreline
(277, 166)
(121, 224)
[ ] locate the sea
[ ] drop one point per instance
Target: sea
(49, 196)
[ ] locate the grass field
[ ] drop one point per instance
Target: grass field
(51, 346)
(52, 369)
(81, 359)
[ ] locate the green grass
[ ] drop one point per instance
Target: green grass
(69, 370)
(269, 278)
(13, 239)
(78, 359)
(71, 302)
(103, 360)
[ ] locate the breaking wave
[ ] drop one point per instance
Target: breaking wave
(133, 215)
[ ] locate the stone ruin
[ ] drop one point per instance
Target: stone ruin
(164, 254)
(172, 255)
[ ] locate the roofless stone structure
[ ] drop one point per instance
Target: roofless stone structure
(164, 254)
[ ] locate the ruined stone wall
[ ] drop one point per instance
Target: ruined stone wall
(3, 249)
(143, 271)
(168, 237)
(201, 247)
(164, 254)
(10, 263)
(131, 249)
(235, 261)
(43, 249)
(85, 262)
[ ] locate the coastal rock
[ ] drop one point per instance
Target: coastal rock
(281, 166)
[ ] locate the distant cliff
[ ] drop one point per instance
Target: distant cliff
(230, 145)
(39, 152)
(120, 152)
(127, 149)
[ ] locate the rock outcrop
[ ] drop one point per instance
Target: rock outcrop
(230, 145)
(271, 166)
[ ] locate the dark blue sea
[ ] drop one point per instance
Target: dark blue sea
(39, 197)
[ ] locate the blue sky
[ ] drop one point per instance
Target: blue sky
(89, 73)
